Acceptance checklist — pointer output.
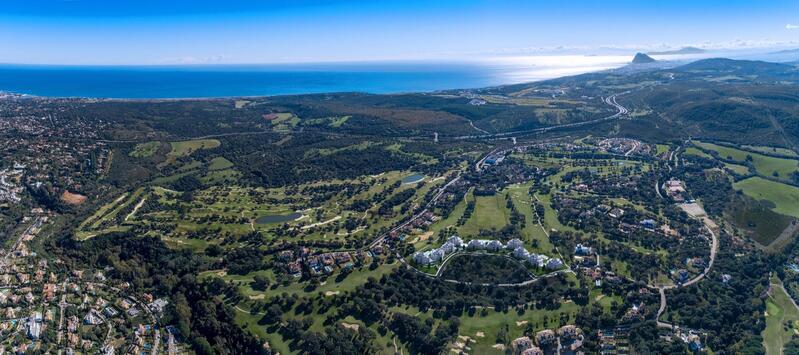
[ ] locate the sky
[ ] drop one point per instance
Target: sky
(235, 31)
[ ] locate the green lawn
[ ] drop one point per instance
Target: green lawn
(782, 319)
(489, 212)
(765, 165)
(784, 197)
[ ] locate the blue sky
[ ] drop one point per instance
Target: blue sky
(236, 31)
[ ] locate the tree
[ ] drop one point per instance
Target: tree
(260, 282)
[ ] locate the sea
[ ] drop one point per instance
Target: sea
(203, 81)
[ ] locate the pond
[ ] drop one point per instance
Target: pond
(412, 179)
(277, 218)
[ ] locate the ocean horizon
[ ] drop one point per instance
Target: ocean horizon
(241, 80)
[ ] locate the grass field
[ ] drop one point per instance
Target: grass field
(145, 150)
(782, 319)
(697, 152)
(784, 197)
(761, 223)
(220, 163)
(489, 212)
(185, 148)
(765, 165)
(772, 150)
(738, 169)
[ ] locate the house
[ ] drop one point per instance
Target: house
(533, 351)
(521, 344)
(545, 337)
(649, 224)
(495, 245)
(286, 255)
(35, 325)
(514, 244)
(569, 331)
(110, 312)
(295, 268)
(554, 263)
(521, 253)
(581, 249)
(158, 305)
(49, 292)
(92, 318)
(422, 259)
(616, 213)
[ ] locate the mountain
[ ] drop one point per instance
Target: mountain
(744, 70)
(787, 51)
(641, 58)
(683, 50)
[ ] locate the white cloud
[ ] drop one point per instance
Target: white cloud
(791, 27)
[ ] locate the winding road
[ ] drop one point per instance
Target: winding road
(714, 247)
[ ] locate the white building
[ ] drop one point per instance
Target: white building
(515, 243)
(431, 256)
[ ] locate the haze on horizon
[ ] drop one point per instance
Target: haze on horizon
(235, 31)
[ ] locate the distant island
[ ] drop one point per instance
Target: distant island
(683, 50)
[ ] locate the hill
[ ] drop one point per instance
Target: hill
(641, 58)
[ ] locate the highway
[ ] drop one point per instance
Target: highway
(610, 100)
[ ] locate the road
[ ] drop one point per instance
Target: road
(610, 100)
(714, 246)
(36, 224)
(657, 188)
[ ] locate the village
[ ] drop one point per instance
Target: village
(46, 306)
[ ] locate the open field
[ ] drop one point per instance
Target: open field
(738, 169)
(772, 150)
(145, 150)
(185, 148)
(489, 213)
(220, 163)
(765, 165)
(784, 197)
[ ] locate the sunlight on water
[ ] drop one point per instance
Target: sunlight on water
(531, 68)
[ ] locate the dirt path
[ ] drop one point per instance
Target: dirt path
(135, 209)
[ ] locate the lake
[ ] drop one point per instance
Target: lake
(412, 179)
(278, 218)
(198, 81)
